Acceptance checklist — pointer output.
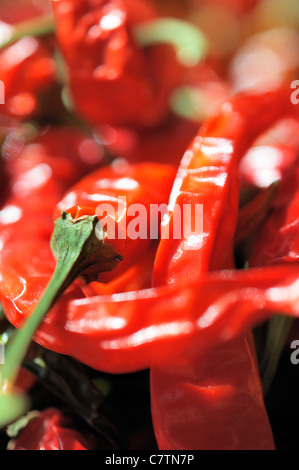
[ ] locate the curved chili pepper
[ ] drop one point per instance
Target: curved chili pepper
(25, 273)
(107, 66)
(52, 430)
(272, 156)
(205, 176)
(277, 242)
(146, 183)
(115, 326)
(218, 392)
(62, 329)
(109, 333)
(253, 213)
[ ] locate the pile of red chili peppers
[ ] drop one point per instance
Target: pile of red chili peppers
(139, 101)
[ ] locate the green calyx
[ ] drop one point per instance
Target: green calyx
(190, 43)
(80, 250)
(41, 26)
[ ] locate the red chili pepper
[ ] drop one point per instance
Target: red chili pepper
(277, 241)
(215, 389)
(27, 68)
(254, 212)
(107, 66)
(35, 266)
(25, 380)
(178, 322)
(144, 183)
(166, 143)
(52, 430)
(206, 176)
(272, 156)
(23, 10)
(26, 272)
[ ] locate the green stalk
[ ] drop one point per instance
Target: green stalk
(79, 251)
(41, 26)
(190, 43)
(278, 330)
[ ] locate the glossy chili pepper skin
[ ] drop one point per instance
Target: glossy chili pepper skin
(208, 175)
(27, 259)
(144, 183)
(277, 241)
(27, 68)
(177, 322)
(41, 170)
(51, 430)
(272, 156)
(211, 403)
(205, 177)
(107, 66)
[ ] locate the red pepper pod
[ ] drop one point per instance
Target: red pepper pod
(51, 430)
(278, 242)
(26, 271)
(215, 407)
(27, 68)
(208, 175)
(110, 77)
(177, 322)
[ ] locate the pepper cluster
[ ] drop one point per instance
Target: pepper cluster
(110, 100)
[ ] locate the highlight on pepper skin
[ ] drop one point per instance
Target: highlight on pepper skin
(149, 195)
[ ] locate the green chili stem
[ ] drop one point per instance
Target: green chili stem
(22, 338)
(80, 251)
(190, 43)
(41, 26)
